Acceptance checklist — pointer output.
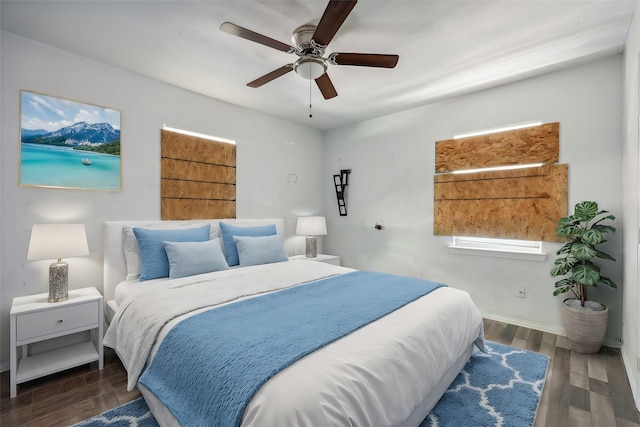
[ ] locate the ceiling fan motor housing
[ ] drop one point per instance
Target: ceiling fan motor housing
(302, 40)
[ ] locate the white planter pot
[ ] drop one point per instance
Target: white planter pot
(585, 326)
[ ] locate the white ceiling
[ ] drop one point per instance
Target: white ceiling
(446, 48)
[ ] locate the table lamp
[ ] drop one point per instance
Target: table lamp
(57, 241)
(311, 226)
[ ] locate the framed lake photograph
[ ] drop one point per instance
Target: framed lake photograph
(68, 144)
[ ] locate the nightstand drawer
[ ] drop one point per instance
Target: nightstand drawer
(56, 320)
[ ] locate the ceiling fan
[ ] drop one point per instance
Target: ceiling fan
(310, 43)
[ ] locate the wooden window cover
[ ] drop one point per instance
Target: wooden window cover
(539, 144)
(198, 177)
(511, 204)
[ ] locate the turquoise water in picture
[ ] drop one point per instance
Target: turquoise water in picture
(62, 167)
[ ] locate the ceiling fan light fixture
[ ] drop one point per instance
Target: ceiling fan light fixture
(310, 68)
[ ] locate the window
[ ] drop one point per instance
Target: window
(503, 248)
(491, 201)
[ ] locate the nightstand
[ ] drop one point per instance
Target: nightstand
(329, 259)
(33, 319)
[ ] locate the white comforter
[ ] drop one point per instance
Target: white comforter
(376, 376)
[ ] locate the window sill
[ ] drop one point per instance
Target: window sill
(527, 256)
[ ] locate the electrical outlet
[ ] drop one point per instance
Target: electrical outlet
(521, 292)
(296, 251)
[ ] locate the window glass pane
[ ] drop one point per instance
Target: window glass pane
(507, 245)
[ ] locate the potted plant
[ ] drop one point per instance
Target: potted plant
(585, 321)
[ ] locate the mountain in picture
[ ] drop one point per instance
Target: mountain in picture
(101, 137)
(33, 132)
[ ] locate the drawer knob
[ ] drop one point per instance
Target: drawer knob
(59, 320)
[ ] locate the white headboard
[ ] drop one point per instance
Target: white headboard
(115, 268)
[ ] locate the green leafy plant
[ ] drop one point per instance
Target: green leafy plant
(585, 231)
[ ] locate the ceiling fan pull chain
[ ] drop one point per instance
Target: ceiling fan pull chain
(310, 115)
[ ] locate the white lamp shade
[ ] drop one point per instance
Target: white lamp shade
(50, 241)
(311, 226)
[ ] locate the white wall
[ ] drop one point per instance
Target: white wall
(269, 150)
(392, 164)
(631, 156)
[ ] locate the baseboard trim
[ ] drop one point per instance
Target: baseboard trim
(5, 366)
(541, 327)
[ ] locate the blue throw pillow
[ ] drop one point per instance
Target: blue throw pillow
(228, 231)
(190, 258)
(153, 258)
(260, 250)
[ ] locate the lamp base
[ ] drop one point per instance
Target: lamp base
(311, 247)
(58, 281)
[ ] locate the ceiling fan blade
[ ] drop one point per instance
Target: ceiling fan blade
(326, 87)
(271, 76)
(332, 19)
(236, 30)
(365, 59)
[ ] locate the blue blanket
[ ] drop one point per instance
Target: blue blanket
(210, 365)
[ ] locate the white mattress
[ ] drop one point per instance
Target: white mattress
(387, 373)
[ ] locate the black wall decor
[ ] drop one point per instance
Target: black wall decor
(341, 181)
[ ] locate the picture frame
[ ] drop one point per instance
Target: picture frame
(68, 144)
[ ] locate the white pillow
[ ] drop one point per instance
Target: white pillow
(191, 258)
(260, 250)
(131, 253)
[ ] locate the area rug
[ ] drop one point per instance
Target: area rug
(498, 388)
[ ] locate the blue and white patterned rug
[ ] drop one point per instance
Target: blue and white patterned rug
(501, 388)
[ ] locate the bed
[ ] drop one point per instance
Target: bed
(388, 369)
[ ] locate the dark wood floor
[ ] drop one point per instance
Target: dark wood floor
(67, 397)
(581, 390)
